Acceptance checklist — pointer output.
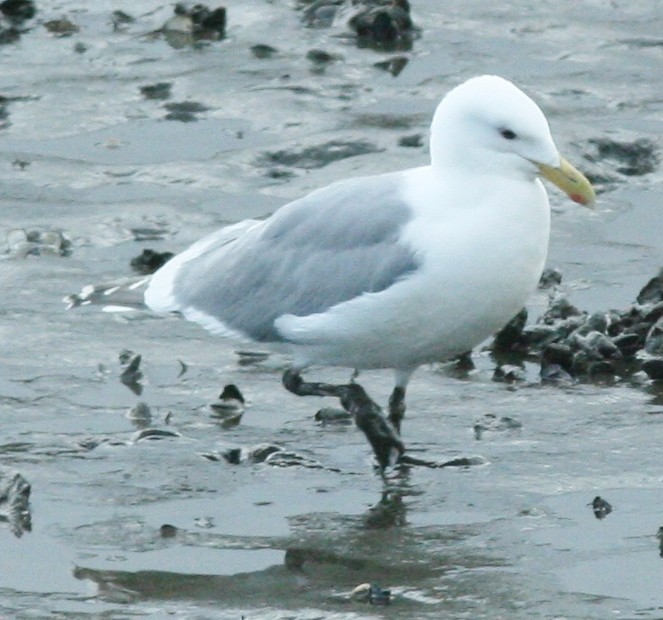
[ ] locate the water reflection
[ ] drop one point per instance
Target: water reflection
(319, 564)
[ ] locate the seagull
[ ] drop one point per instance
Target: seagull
(390, 271)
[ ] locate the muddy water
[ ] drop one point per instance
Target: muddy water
(81, 150)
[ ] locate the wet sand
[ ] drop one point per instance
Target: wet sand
(84, 152)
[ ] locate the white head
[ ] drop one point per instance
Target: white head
(487, 125)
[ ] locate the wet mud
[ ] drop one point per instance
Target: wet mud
(133, 484)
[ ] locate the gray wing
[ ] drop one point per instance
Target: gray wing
(313, 253)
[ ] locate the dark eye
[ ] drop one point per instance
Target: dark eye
(508, 134)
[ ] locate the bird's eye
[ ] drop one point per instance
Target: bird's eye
(508, 134)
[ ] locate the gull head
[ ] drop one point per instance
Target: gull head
(488, 126)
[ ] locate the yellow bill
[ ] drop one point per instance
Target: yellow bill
(571, 181)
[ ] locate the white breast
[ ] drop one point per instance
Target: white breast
(479, 266)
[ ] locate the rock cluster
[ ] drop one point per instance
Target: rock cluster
(574, 345)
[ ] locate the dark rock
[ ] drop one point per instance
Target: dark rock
(318, 156)
(18, 11)
(601, 507)
(565, 327)
(628, 344)
(159, 91)
(263, 51)
(510, 337)
(140, 414)
(120, 19)
(233, 456)
(387, 26)
(652, 292)
(601, 346)
(394, 65)
(616, 323)
(587, 364)
(654, 368)
(550, 278)
(554, 373)
(153, 434)
(320, 57)
(557, 353)
(206, 22)
(632, 158)
(131, 374)
(279, 174)
(651, 314)
(61, 27)
(539, 336)
(461, 461)
(597, 345)
(559, 308)
(8, 36)
(184, 111)
(464, 362)
(413, 141)
(260, 453)
(269, 454)
(378, 595)
(150, 261)
(597, 322)
(287, 458)
(210, 20)
(231, 391)
(21, 164)
(230, 406)
(15, 502)
(654, 341)
(167, 531)
(464, 461)
(191, 25)
(333, 415)
(251, 358)
(321, 13)
(640, 330)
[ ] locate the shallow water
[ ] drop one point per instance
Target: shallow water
(514, 538)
